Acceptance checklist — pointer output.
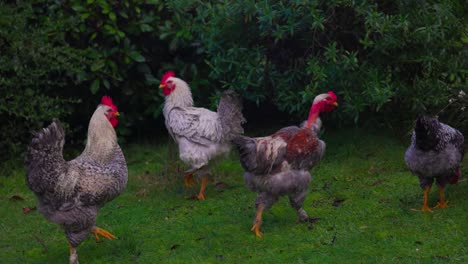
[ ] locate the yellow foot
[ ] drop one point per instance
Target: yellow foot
(188, 180)
(256, 228)
(426, 209)
(101, 232)
(441, 204)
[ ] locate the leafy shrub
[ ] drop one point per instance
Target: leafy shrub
(382, 57)
(36, 68)
(388, 61)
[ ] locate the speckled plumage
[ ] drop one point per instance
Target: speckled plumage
(279, 165)
(436, 152)
(202, 135)
(70, 193)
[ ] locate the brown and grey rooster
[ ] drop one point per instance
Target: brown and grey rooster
(436, 152)
(279, 164)
(202, 135)
(70, 193)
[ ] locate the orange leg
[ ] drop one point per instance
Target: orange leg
(101, 232)
(442, 203)
(201, 195)
(188, 179)
(426, 208)
(258, 221)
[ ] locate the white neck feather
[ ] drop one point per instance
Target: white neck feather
(320, 97)
(180, 97)
(101, 136)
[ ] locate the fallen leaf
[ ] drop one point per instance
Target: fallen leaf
(377, 182)
(28, 210)
(221, 185)
(16, 198)
(334, 239)
(175, 246)
(313, 219)
(337, 202)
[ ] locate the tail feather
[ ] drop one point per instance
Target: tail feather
(44, 161)
(247, 151)
(230, 113)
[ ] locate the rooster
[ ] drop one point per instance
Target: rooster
(279, 164)
(436, 151)
(201, 134)
(70, 193)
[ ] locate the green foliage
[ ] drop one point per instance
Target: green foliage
(380, 56)
(388, 61)
(36, 67)
(156, 223)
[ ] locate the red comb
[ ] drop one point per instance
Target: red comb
(332, 95)
(106, 100)
(166, 76)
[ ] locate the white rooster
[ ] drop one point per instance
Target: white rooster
(201, 134)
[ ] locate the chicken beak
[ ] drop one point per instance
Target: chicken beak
(335, 104)
(162, 86)
(116, 114)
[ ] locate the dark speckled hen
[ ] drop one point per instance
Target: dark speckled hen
(279, 164)
(70, 193)
(436, 152)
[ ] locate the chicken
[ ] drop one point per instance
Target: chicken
(436, 151)
(279, 164)
(202, 135)
(70, 193)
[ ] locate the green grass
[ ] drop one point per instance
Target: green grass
(156, 223)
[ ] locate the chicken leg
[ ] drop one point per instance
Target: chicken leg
(258, 221)
(201, 194)
(73, 255)
(442, 202)
(188, 179)
(426, 208)
(101, 232)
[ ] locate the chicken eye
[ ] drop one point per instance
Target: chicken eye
(109, 113)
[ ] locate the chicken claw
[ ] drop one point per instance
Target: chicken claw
(256, 228)
(426, 208)
(101, 232)
(442, 202)
(258, 220)
(201, 195)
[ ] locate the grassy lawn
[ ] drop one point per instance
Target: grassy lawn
(362, 192)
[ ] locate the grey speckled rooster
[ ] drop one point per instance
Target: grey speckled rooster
(436, 151)
(279, 164)
(202, 135)
(70, 193)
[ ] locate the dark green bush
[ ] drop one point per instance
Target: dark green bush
(382, 57)
(388, 61)
(37, 69)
